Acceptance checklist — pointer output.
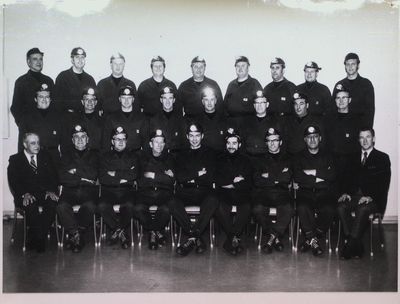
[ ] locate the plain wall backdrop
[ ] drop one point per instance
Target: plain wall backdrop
(218, 31)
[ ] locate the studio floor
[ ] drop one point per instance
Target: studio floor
(112, 269)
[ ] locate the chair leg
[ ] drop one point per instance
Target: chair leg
(171, 230)
(381, 236)
(256, 233)
(179, 237)
(57, 232)
(140, 235)
(297, 233)
(132, 242)
(24, 245)
(338, 237)
(329, 241)
(260, 238)
(14, 226)
(95, 231)
(62, 237)
(212, 236)
(370, 237)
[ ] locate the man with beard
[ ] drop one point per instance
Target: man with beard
(233, 181)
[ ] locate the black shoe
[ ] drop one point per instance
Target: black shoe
(236, 244)
(229, 248)
(153, 245)
(305, 246)
(186, 247)
(278, 245)
(346, 252)
(358, 249)
(114, 237)
(200, 245)
(267, 247)
(76, 242)
(161, 239)
(123, 239)
(315, 247)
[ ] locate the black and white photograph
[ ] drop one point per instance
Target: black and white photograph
(200, 151)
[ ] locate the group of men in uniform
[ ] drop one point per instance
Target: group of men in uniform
(174, 147)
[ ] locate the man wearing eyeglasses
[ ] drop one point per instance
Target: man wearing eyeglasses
(117, 174)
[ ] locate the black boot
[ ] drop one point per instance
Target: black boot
(186, 247)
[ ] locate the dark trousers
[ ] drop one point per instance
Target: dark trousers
(263, 200)
(355, 227)
(320, 203)
(125, 197)
(227, 198)
(146, 198)
(86, 197)
(39, 223)
(204, 198)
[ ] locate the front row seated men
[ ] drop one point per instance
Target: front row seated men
(366, 189)
(314, 174)
(33, 182)
(156, 188)
(272, 178)
(233, 179)
(78, 174)
(195, 172)
(118, 171)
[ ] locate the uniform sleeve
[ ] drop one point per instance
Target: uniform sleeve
(383, 184)
(369, 96)
(17, 102)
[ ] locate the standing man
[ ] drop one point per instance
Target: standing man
(319, 96)
(133, 122)
(195, 174)
(25, 89)
(272, 178)
(170, 121)
(361, 91)
(314, 173)
(342, 134)
(148, 91)
(368, 180)
(156, 187)
(33, 182)
(71, 83)
(280, 91)
(189, 91)
(45, 122)
(108, 88)
(238, 101)
(118, 172)
(78, 175)
(233, 181)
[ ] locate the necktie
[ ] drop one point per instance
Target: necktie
(33, 163)
(364, 159)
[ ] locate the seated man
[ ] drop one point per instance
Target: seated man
(156, 187)
(368, 178)
(33, 182)
(78, 175)
(272, 178)
(315, 175)
(233, 188)
(195, 169)
(117, 174)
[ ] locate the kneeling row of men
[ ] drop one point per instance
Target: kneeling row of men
(198, 177)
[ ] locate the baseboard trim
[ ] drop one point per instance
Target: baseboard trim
(388, 219)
